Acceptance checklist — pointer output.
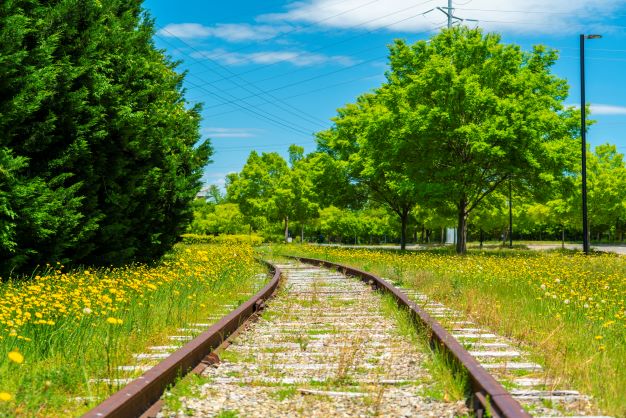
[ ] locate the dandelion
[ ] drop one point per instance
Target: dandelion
(599, 337)
(86, 310)
(114, 321)
(16, 357)
(5, 396)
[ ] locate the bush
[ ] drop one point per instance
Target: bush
(252, 239)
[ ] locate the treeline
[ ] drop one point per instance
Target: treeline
(99, 152)
(460, 120)
(555, 218)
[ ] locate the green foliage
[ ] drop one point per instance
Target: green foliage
(224, 218)
(367, 140)
(100, 158)
(475, 113)
(268, 190)
(606, 182)
(343, 225)
(251, 239)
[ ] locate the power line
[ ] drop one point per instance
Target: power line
(325, 46)
(263, 115)
(286, 107)
(352, 80)
(547, 12)
(314, 77)
(307, 26)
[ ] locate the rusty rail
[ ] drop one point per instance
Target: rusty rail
(137, 397)
(489, 398)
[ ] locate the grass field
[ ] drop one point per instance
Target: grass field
(61, 329)
(568, 309)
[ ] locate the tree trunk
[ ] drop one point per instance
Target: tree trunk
(562, 237)
(286, 228)
(443, 235)
(461, 239)
(302, 234)
(482, 238)
(404, 218)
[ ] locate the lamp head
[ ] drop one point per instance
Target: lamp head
(593, 36)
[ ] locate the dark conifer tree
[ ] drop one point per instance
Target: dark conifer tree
(99, 153)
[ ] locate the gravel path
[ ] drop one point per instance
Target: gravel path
(510, 364)
(323, 347)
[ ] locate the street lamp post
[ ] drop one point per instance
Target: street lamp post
(583, 136)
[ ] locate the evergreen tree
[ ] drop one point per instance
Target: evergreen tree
(93, 118)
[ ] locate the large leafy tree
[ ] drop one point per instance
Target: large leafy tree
(476, 112)
(269, 189)
(607, 188)
(94, 118)
(262, 189)
(302, 184)
(366, 138)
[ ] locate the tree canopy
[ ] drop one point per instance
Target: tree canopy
(458, 116)
(100, 152)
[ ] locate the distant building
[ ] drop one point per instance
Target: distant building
(203, 193)
(450, 235)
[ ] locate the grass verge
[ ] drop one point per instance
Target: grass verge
(62, 334)
(567, 309)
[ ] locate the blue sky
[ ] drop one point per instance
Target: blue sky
(271, 73)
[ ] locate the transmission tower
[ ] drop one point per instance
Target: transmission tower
(449, 12)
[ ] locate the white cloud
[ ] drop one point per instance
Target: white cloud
(231, 132)
(185, 31)
(529, 16)
(603, 109)
(232, 32)
(297, 58)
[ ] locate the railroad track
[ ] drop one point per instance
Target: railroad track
(324, 347)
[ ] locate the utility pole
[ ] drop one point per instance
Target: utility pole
(583, 137)
(449, 12)
(510, 214)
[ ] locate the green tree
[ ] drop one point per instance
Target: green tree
(302, 184)
(223, 218)
(96, 116)
(366, 137)
(262, 189)
(476, 112)
(606, 184)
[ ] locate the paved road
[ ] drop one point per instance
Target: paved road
(618, 249)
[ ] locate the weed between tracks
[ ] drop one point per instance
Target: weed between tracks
(72, 327)
(568, 310)
(449, 382)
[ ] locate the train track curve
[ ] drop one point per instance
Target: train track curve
(333, 287)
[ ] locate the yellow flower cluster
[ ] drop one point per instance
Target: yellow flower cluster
(59, 296)
(594, 286)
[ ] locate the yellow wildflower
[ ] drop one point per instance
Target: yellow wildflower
(16, 357)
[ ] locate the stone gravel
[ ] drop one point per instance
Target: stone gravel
(323, 348)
